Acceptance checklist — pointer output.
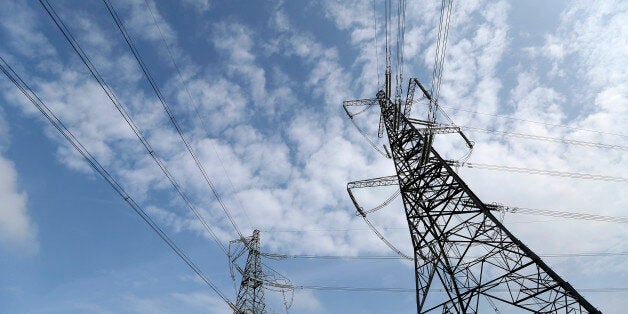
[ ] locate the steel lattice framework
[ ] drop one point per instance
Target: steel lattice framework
(466, 261)
(251, 294)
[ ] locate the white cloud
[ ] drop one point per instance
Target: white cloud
(354, 16)
(221, 103)
(17, 230)
(598, 35)
(24, 38)
(202, 301)
(236, 40)
(140, 21)
(307, 302)
(199, 5)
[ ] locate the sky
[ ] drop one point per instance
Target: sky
(257, 87)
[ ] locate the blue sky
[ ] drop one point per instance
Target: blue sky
(266, 81)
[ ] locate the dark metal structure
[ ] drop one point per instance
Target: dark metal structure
(251, 294)
(465, 260)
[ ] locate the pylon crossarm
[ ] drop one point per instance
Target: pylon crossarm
(366, 104)
(368, 183)
(375, 182)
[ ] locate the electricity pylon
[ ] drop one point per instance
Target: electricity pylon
(251, 294)
(465, 260)
(257, 277)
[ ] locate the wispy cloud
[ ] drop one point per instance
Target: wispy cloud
(18, 232)
(24, 38)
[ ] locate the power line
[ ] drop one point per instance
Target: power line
(585, 254)
(196, 106)
(547, 138)
(382, 181)
(535, 122)
(413, 290)
(393, 257)
(387, 9)
(169, 112)
(388, 243)
(120, 107)
(328, 257)
(550, 213)
(564, 214)
(401, 29)
(441, 46)
(367, 104)
(318, 230)
(574, 175)
(93, 162)
(513, 210)
(376, 43)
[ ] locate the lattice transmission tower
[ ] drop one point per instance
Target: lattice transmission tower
(251, 293)
(465, 260)
(257, 277)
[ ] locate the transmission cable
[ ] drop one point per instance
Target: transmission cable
(385, 203)
(376, 43)
(547, 138)
(198, 115)
(574, 175)
(320, 230)
(120, 107)
(413, 290)
(535, 122)
(368, 139)
(401, 28)
(513, 210)
(390, 245)
(93, 162)
(388, 8)
(564, 214)
(394, 257)
(406, 290)
(367, 104)
(169, 112)
(383, 181)
(441, 45)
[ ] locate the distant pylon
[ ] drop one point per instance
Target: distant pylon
(251, 294)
